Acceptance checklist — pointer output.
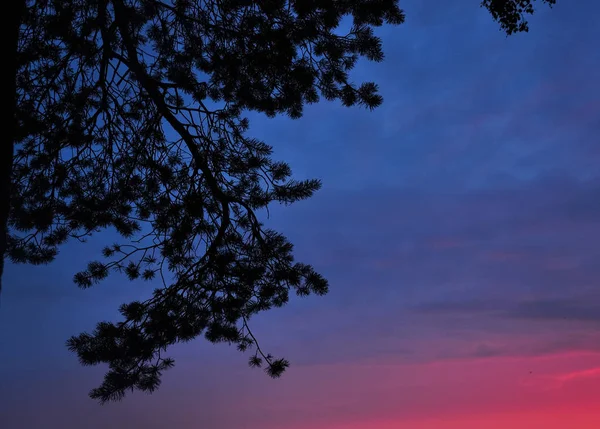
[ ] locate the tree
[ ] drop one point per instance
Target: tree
(511, 14)
(128, 115)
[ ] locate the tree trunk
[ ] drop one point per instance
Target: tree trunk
(12, 17)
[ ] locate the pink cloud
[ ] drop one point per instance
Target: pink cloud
(575, 375)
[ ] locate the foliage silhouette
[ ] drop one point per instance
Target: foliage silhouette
(128, 115)
(511, 14)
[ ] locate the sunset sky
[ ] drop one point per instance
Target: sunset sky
(458, 224)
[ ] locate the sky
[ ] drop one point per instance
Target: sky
(458, 225)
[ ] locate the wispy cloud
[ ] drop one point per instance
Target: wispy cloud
(576, 375)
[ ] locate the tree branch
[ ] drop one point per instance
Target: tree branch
(152, 87)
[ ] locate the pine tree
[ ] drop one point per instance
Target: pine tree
(512, 14)
(128, 114)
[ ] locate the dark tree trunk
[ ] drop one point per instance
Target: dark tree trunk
(12, 16)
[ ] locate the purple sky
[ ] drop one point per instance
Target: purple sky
(459, 222)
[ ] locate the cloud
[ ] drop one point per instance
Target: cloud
(580, 341)
(583, 310)
(576, 375)
(586, 309)
(467, 307)
(487, 351)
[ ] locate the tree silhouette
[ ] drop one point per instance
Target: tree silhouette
(128, 115)
(512, 14)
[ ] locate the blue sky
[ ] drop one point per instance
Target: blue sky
(460, 220)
